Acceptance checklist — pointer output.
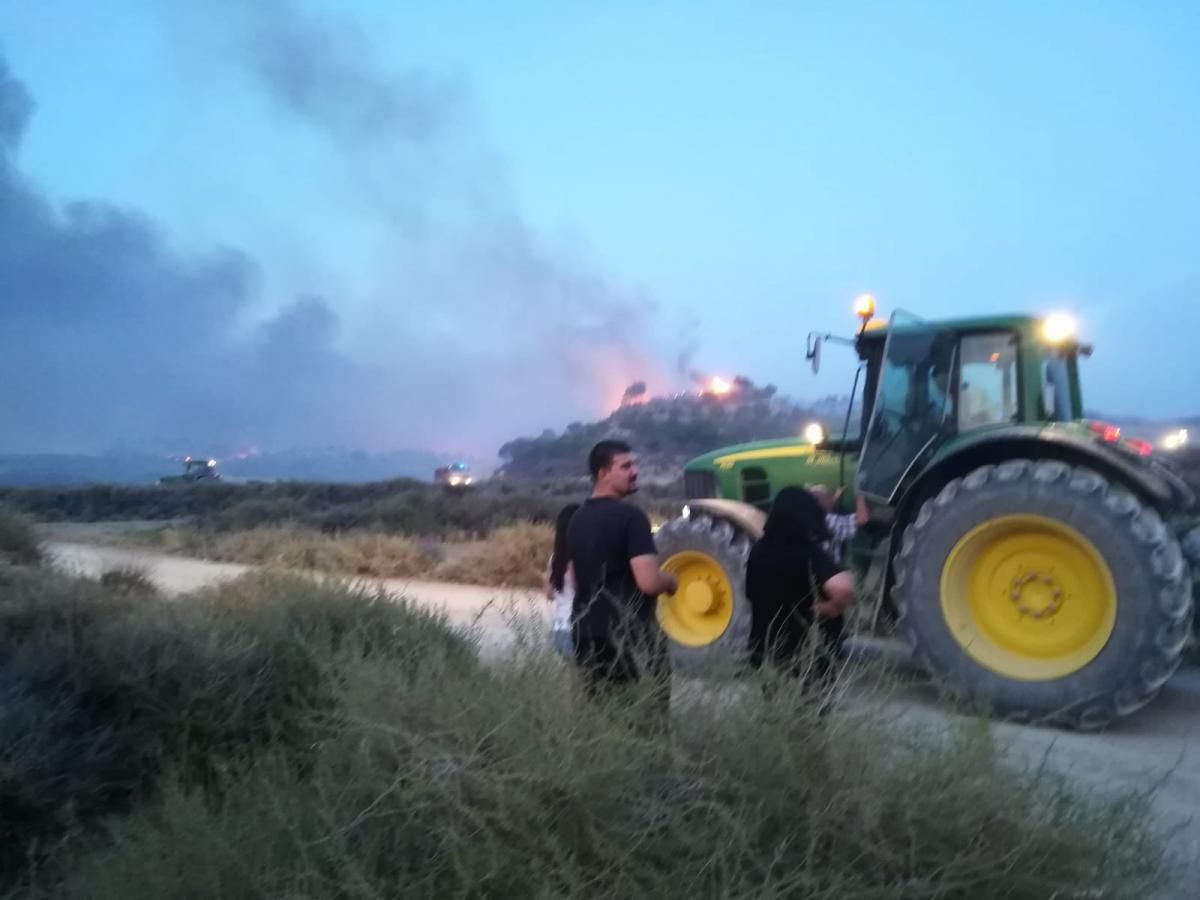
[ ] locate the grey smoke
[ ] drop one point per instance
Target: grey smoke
(526, 320)
(16, 106)
(108, 334)
(637, 389)
(319, 68)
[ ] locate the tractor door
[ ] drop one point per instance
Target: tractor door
(913, 404)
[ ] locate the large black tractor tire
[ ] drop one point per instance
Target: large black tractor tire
(1148, 576)
(706, 643)
(1191, 550)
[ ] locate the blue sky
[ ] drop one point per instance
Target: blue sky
(737, 171)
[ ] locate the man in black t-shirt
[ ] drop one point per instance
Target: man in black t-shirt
(617, 577)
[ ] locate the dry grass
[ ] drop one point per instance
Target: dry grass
(511, 556)
(375, 555)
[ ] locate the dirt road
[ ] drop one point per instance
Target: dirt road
(485, 609)
(1158, 747)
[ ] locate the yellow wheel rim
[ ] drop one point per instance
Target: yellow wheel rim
(700, 610)
(1028, 597)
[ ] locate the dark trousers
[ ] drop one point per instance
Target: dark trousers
(813, 661)
(611, 662)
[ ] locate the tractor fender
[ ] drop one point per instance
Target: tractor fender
(746, 518)
(1159, 488)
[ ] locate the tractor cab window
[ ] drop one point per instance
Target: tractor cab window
(1056, 389)
(913, 405)
(987, 380)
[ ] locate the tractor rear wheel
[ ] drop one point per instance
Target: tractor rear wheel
(1046, 591)
(707, 620)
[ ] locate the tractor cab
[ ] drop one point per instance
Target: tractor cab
(929, 383)
(917, 386)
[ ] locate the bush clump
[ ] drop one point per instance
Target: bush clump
(19, 543)
(276, 737)
(512, 556)
(506, 784)
(401, 507)
(103, 690)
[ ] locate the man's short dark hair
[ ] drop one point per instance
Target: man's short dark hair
(602, 455)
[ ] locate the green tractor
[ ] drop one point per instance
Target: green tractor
(1032, 558)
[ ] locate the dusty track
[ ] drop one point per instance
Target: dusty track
(1159, 746)
(464, 604)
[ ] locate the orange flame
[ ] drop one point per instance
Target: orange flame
(719, 386)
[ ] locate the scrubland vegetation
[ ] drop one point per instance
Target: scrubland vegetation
(277, 737)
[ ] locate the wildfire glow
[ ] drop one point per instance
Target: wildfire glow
(719, 386)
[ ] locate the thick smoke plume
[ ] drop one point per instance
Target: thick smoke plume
(108, 335)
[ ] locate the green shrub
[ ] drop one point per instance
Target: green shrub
(128, 580)
(505, 783)
(101, 691)
(397, 507)
(287, 738)
(19, 544)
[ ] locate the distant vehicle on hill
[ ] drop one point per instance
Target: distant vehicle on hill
(455, 475)
(194, 471)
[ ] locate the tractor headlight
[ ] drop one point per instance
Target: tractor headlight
(1058, 328)
(814, 433)
(1175, 440)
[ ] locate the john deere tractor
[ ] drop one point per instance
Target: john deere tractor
(1032, 558)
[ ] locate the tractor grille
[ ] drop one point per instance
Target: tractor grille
(756, 487)
(699, 484)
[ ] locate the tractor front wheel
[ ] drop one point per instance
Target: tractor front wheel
(1045, 591)
(707, 620)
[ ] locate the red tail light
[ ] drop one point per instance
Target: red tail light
(1111, 434)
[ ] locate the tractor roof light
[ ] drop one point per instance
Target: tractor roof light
(864, 307)
(1058, 328)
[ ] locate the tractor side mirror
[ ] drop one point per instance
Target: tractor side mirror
(814, 352)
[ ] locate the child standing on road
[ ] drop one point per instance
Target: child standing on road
(560, 584)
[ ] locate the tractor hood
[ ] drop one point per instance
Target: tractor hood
(726, 457)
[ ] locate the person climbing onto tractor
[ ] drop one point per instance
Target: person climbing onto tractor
(792, 584)
(841, 526)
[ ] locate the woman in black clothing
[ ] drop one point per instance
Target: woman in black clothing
(791, 583)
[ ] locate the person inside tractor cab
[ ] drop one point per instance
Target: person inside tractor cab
(941, 398)
(793, 584)
(986, 392)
